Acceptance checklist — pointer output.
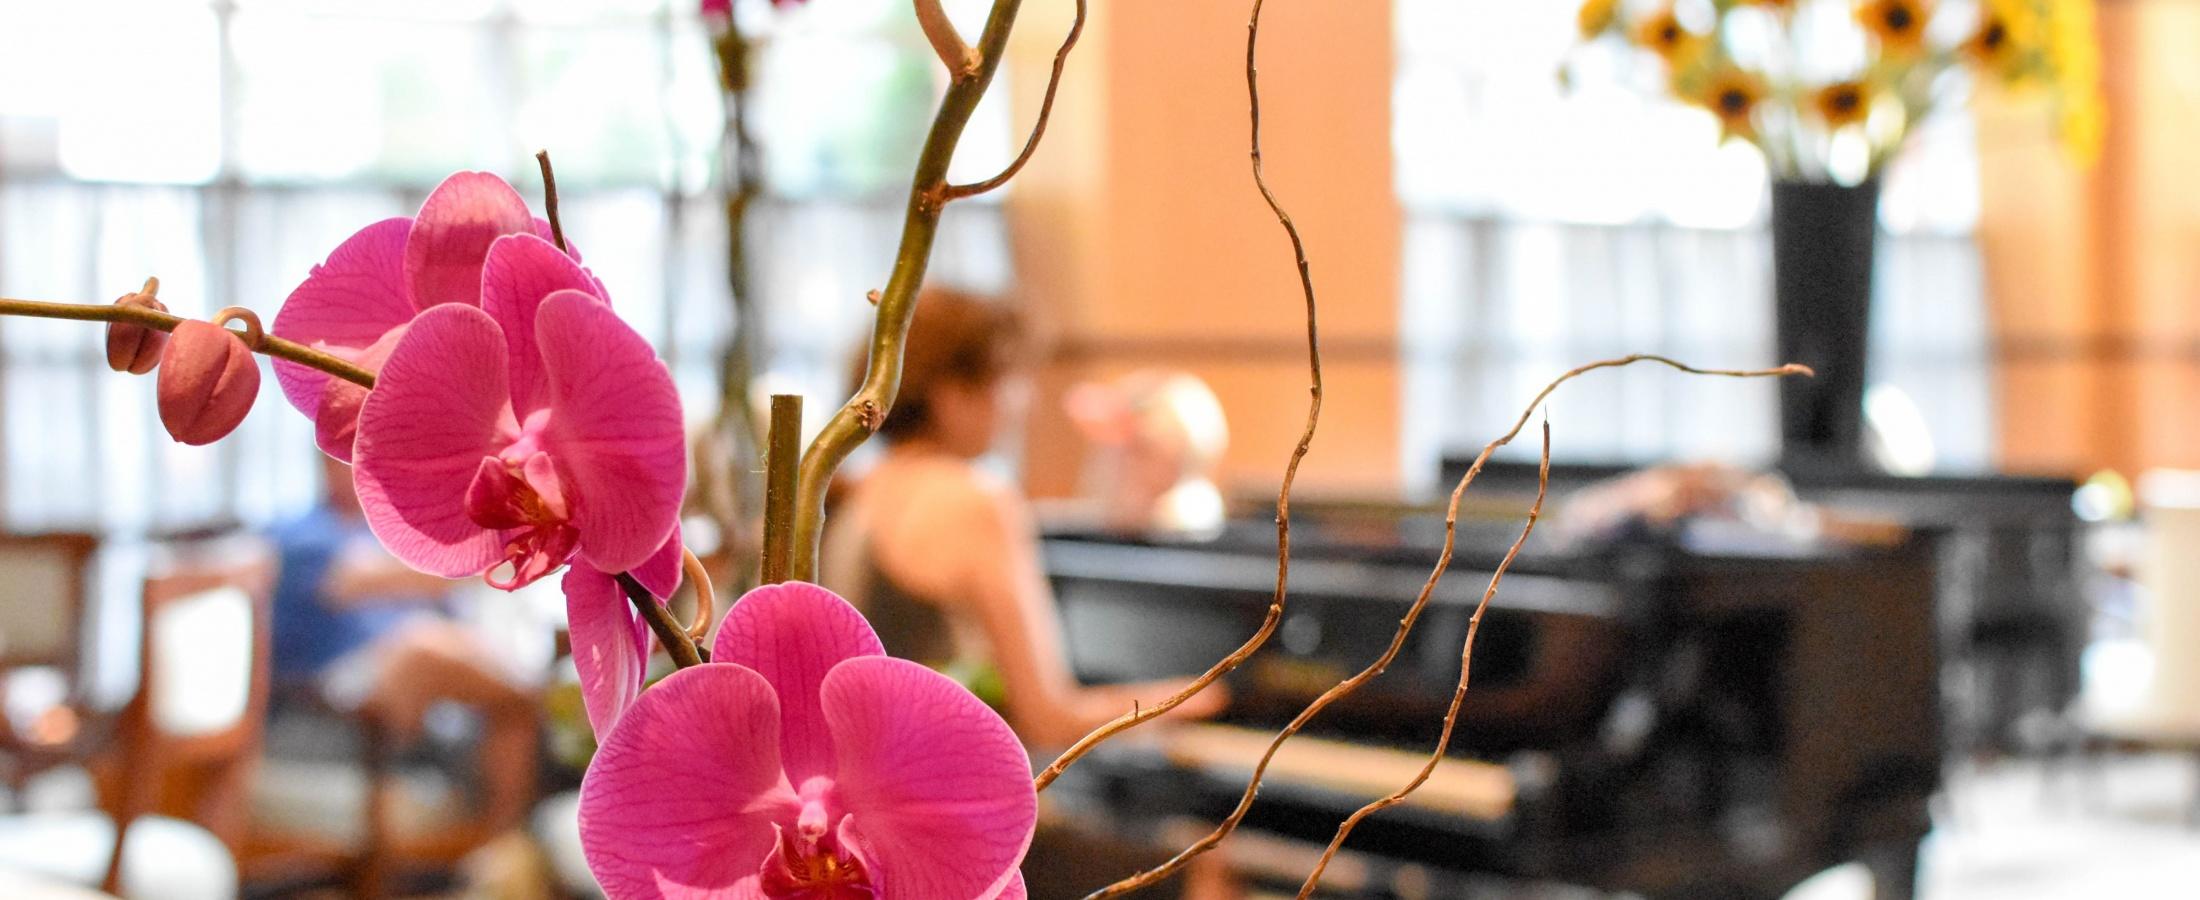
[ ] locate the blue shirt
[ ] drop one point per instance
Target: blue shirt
(312, 631)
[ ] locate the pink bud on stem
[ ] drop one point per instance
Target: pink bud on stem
(131, 347)
(208, 381)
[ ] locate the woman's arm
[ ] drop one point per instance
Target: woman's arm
(1006, 581)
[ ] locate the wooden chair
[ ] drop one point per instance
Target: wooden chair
(173, 785)
(191, 735)
(43, 589)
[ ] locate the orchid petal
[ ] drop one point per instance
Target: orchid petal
(1014, 890)
(345, 305)
(660, 573)
(932, 779)
(680, 799)
(616, 427)
(336, 420)
(434, 413)
(451, 236)
(793, 634)
(610, 646)
(522, 270)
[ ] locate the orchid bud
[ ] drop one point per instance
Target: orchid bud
(131, 347)
(208, 381)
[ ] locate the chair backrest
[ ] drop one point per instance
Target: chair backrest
(43, 579)
(193, 731)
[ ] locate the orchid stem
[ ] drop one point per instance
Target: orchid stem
(682, 648)
(928, 196)
(138, 315)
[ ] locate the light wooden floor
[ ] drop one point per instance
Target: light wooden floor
(2020, 831)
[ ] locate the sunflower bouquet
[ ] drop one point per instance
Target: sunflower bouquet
(1828, 90)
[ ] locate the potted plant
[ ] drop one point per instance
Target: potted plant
(1829, 91)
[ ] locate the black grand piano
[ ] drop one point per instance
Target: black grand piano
(1695, 715)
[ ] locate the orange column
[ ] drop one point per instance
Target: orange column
(1142, 241)
(2095, 275)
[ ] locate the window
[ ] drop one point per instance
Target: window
(227, 145)
(1549, 226)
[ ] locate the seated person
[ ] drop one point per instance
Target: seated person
(944, 557)
(1159, 436)
(368, 634)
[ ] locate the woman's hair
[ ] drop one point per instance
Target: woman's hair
(954, 338)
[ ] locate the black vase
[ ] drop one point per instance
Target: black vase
(1822, 238)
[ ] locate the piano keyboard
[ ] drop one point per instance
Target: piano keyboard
(1462, 787)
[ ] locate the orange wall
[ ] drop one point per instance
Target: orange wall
(2095, 274)
(1143, 242)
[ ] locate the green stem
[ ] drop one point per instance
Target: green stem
(780, 466)
(138, 315)
(928, 196)
(669, 633)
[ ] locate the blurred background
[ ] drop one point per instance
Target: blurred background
(1950, 648)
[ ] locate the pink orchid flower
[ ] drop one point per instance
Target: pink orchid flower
(802, 762)
(356, 305)
(527, 432)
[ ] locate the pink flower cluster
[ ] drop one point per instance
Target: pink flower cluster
(517, 426)
(802, 762)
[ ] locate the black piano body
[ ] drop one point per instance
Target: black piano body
(1680, 718)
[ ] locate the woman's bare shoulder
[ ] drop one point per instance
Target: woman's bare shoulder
(943, 494)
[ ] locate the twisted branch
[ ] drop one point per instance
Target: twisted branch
(1038, 128)
(853, 423)
(1260, 636)
(1466, 656)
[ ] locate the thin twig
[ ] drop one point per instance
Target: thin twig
(1038, 128)
(1290, 470)
(550, 199)
(1466, 657)
(1252, 787)
(853, 423)
(706, 597)
(139, 315)
(682, 648)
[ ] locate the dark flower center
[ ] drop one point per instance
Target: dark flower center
(1993, 36)
(1899, 18)
(1733, 101)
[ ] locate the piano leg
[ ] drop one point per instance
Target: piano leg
(1894, 870)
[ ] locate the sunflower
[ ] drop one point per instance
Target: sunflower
(1733, 94)
(1597, 17)
(1898, 24)
(2006, 32)
(1842, 103)
(1662, 33)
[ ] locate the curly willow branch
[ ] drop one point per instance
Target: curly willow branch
(1140, 715)
(929, 194)
(1405, 625)
(1466, 656)
(1038, 128)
